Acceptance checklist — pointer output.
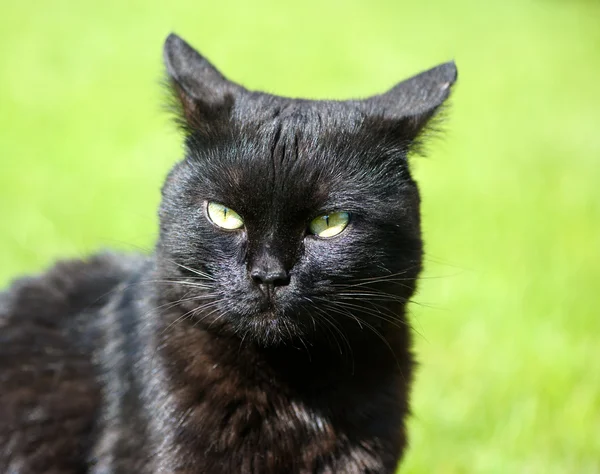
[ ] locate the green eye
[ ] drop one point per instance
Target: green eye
(329, 225)
(223, 217)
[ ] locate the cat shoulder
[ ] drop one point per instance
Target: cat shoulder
(49, 389)
(68, 287)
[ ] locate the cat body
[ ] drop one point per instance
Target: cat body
(267, 332)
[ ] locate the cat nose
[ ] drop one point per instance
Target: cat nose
(270, 278)
(267, 269)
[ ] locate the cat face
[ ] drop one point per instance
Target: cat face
(287, 214)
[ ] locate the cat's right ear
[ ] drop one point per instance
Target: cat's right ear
(406, 109)
(203, 95)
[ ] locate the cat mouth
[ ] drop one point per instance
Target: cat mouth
(267, 308)
(267, 300)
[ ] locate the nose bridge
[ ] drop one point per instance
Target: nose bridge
(268, 266)
(270, 259)
(267, 253)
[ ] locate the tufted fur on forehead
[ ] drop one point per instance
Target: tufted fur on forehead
(296, 158)
(208, 104)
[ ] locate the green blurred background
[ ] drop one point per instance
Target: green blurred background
(507, 325)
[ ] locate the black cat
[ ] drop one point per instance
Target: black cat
(267, 332)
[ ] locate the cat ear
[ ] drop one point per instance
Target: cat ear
(204, 94)
(409, 105)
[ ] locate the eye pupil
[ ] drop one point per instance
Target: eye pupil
(329, 225)
(223, 217)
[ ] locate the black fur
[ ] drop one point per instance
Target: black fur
(182, 361)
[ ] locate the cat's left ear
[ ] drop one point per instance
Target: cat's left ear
(408, 107)
(205, 95)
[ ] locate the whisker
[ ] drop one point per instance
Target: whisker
(381, 295)
(391, 317)
(209, 314)
(193, 270)
(331, 322)
(191, 312)
(369, 326)
(389, 275)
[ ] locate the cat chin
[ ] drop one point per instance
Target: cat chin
(270, 329)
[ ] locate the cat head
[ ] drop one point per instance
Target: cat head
(288, 217)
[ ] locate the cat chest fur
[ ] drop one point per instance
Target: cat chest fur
(258, 412)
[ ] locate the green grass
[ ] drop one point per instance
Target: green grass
(508, 326)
